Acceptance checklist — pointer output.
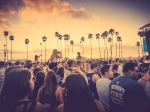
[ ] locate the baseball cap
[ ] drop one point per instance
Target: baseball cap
(143, 69)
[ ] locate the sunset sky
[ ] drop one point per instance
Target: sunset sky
(33, 19)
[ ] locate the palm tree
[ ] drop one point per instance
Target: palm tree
(81, 47)
(72, 42)
(57, 35)
(41, 51)
(27, 42)
(82, 40)
(102, 36)
(4, 53)
(111, 31)
(68, 38)
(116, 42)
(110, 40)
(6, 34)
(65, 38)
(105, 35)
(60, 38)
(138, 44)
(90, 36)
(141, 34)
(44, 38)
(11, 39)
(98, 37)
(121, 48)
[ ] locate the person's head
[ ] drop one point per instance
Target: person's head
(18, 85)
(144, 71)
(30, 66)
(36, 70)
(11, 68)
(17, 63)
(10, 64)
(52, 65)
(39, 78)
(76, 85)
(78, 53)
(93, 67)
(78, 96)
(106, 71)
(54, 53)
(22, 64)
(70, 63)
(117, 60)
(115, 67)
(50, 82)
(2, 64)
(79, 63)
(129, 70)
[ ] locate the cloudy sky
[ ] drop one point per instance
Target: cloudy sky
(33, 19)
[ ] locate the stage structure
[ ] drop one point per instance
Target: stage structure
(146, 31)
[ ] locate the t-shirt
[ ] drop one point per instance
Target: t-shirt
(2, 78)
(103, 91)
(147, 89)
(92, 85)
(119, 69)
(126, 95)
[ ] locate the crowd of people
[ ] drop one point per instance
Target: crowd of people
(113, 85)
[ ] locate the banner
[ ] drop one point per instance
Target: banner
(147, 36)
(145, 45)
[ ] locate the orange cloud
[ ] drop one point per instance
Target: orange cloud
(43, 9)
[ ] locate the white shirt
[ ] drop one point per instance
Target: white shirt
(2, 76)
(103, 91)
(120, 70)
(147, 89)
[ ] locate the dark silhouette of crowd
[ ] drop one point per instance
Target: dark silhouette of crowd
(114, 85)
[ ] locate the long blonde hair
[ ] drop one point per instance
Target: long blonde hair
(54, 54)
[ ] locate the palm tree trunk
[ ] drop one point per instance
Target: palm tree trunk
(4, 54)
(6, 50)
(60, 46)
(138, 51)
(72, 51)
(27, 52)
(142, 46)
(57, 44)
(91, 49)
(99, 49)
(65, 48)
(116, 49)
(110, 50)
(121, 50)
(111, 47)
(68, 48)
(41, 52)
(106, 48)
(11, 50)
(83, 49)
(45, 52)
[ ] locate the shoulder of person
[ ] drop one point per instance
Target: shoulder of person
(60, 108)
(39, 107)
(99, 106)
